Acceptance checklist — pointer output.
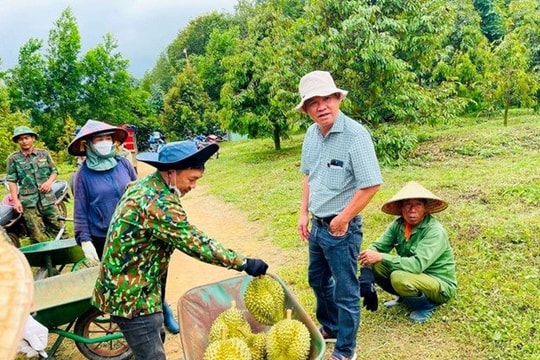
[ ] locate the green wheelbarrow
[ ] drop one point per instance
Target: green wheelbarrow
(62, 303)
(200, 306)
(53, 255)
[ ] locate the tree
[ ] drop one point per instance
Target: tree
(8, 121)
(492, 22)
(187, 108)
(26, 81)
(508, 76)
(107, 85)
(63, 77)
(259, 75)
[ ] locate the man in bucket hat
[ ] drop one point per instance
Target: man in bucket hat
(341, 176)
(422, 271)
(30, 173)
(148, 225)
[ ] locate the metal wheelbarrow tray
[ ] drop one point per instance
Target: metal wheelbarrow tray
(63, 301)
(199, 307)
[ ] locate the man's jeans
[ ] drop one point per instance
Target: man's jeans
(332, 273)
(144, 335)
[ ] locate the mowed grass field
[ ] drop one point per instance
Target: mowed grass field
(489, 174)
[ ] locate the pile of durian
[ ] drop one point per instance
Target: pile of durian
(232, 338)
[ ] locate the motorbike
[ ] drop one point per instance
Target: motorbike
(202, 141)
(13, 221)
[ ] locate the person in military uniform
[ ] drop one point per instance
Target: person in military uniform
(149, 223)
(30, 174)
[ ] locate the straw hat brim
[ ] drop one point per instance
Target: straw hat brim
(413, 190)
(93, 128)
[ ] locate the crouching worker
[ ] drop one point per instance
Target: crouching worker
(421, 272)
(149, 223)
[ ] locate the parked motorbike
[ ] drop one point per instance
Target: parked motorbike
(13, 221)
(202, 141)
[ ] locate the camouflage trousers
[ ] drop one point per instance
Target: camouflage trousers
(42, 222)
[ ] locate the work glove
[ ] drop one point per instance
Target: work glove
(90, 253)
(367, 289)
(34, 339)
(255, 267)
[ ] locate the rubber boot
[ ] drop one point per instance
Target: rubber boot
(421, 307)
(393, 303)
(168, 318)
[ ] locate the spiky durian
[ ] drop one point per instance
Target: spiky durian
(265, 300)
(233, 322)
(257, 346)
(288, 339)
(228, 349)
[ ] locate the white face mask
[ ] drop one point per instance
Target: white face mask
(103, 147)
(172, 186)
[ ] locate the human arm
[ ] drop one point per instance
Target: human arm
(384, 244)
(169, 222)
(427, 243)
(303, 219)
(13, 192)
(80, 207)
(46, 186)
(340, 224)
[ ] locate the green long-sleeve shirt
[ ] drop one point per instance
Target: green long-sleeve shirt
(428, 251)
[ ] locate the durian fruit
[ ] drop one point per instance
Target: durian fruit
(265, 300)
(257, 346)
(289, 339)
(232, 322)
(227, 349)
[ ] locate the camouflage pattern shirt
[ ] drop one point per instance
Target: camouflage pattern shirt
(148, 224)
(29, 172)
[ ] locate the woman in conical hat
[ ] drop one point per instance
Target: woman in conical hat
(421, 271)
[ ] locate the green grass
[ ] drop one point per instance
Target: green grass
(490, 176)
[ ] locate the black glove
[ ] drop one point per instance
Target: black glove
(367, 289)
(255, 267)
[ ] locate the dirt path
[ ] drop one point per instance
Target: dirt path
(221, 221)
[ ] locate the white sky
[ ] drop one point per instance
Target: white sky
(143, 28)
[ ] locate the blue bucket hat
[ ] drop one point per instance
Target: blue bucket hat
(178, 155)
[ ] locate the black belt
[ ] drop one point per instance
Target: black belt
(325, 221)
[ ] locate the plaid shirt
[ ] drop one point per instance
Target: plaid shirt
(338, 165)
(148, 224)
(29, 172)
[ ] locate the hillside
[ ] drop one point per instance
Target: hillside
(490, 176)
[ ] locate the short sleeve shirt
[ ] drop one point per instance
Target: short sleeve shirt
(29, 172)
(338, 165)
(148, 224)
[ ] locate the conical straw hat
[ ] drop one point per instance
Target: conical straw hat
(413, 190)
(17, 289)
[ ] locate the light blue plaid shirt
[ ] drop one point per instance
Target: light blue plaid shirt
(338, 165)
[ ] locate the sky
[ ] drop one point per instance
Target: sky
(143, 28)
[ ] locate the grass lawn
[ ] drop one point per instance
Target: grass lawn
(489, 174)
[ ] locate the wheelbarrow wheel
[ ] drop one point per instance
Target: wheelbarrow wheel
(94, 324)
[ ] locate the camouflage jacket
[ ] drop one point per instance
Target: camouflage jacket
(148, 224)
(29, 172)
